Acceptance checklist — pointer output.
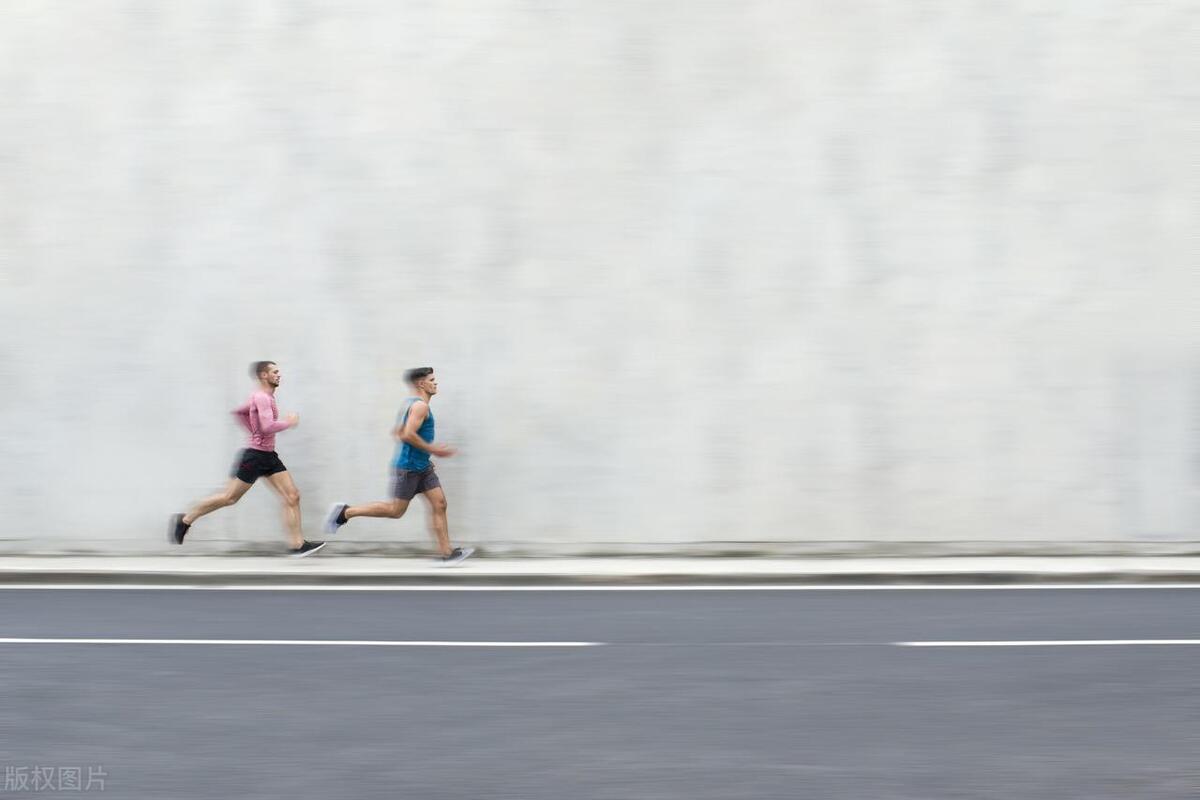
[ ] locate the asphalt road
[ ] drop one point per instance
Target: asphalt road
(684, 694)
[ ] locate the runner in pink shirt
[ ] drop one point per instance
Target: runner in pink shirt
(260, 417)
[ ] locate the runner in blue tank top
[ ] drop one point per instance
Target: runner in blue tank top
(412, 471)
(407, 456)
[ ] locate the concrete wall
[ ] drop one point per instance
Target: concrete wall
(690, 273)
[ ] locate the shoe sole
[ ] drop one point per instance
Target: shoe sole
(171, 529)
(308, 553)
(331, 527)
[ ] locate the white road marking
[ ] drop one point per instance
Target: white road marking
(550, 644)
(300, 642)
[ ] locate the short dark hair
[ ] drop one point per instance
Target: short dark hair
(259, 367)
(417, 373)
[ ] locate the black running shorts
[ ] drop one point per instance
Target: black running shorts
(253, 464)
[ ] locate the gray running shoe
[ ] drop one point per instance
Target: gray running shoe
(178, 528)
(457, 556)
(335, 513)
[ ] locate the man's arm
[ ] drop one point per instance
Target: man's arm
(242, 413)
(268, 425)
(416, 416)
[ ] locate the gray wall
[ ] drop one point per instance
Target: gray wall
(744, 271)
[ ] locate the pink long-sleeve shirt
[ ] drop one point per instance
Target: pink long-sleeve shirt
(260, 416)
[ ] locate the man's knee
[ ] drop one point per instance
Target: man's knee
(397, 509)
(229, 498)
(291, 497)
(439, 505)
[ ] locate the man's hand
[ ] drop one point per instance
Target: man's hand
(293, 419)
(442, 450)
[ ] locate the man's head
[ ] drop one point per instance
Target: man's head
(266, 372)
(422, 379)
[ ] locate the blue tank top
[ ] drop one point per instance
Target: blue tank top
(407, 456)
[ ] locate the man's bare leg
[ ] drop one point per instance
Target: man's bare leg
(439, 525)
(232, 493)
(392, 509)
(285, 487)
(341, 513)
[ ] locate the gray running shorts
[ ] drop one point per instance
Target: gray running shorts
(407, 483)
